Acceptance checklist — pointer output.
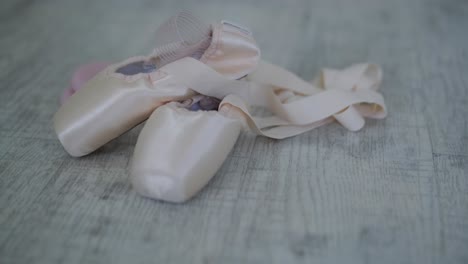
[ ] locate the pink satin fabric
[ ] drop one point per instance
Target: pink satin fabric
(110, 103)
(232, 51)
(82, 74)
(179, 151)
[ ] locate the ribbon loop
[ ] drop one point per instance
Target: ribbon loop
(298, 106)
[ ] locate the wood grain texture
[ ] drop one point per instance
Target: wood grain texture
(395, 192)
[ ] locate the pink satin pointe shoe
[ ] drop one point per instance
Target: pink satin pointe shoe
(124, 94)
(197, 88)
(181, 147)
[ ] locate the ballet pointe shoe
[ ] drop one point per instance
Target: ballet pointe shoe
(179, 150)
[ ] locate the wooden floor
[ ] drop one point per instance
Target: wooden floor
(395, 192)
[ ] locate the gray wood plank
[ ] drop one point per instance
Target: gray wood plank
(395, 192)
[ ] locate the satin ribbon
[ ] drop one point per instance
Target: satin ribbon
(298, 106)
